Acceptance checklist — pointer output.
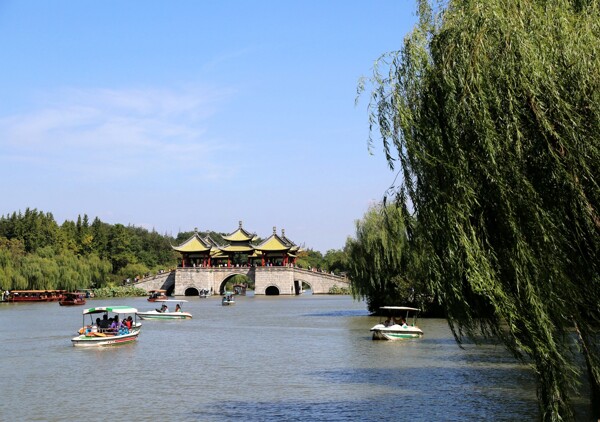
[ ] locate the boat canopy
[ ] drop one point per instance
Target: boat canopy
(398, 308)
(114, 309)
(171, 300)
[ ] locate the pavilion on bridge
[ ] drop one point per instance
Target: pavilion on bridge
(240, 250)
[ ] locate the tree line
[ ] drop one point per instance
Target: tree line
(38, 253)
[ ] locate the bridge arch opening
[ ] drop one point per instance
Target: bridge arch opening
(236, 283)
(272, 291)
(302, 287)
(192, 291)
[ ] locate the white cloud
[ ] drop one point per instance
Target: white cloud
(99, 131)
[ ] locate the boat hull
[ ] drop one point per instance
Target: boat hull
(164, 315)
(71, 302)
(93, 341)
(395, 332)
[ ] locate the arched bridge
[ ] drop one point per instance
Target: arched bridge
(267, 280)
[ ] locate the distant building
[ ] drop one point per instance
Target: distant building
(200, 251)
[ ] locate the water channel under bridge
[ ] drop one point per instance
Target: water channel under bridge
(284, 280)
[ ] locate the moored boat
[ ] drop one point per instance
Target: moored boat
(157, 295)
(97, 334)
(395, 327)
(35, 295)
(72, 299)
(164, 314)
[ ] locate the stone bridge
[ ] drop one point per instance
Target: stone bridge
(267, 280)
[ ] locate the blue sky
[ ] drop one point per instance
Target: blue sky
(172, 115)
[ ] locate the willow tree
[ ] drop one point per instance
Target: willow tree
(379, 261)
(491, 113)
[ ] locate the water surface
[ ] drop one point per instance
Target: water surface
(263, 359)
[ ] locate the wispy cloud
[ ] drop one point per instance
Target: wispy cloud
(120, 132)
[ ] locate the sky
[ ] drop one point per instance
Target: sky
(176, 115)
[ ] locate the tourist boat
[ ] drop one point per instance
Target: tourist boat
(228, 300)
(156, 295)
(204, 293)
(35, 295)
(396, 326)
(92, 335)
(161, 314)
(72, 299)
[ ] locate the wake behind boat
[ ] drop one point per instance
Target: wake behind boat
(164, 313)
(395, 327)
(107, 331)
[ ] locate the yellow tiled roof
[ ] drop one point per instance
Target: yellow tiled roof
(193, 244)
(240, 235)
(273, 244)
(237, 248)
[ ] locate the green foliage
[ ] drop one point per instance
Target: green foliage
(336, 261)
(337, 290)
(36, 253)
(310, 259)
(118, 291)
(381, 264)
(490, 110)
(132, 270)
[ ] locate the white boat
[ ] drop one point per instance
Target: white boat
(397, 325)
(162, 314)
(228, 300)
(95, 335)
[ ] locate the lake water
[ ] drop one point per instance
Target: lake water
(305, 358)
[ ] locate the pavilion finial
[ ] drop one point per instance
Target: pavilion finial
(240, 224)
(195, 229)
(282, 232)
(274, 230)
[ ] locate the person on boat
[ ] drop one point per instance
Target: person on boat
(128, 322)
(116, 324)
(177, 308)
(104, 323)
(388, 322)
(403, 322)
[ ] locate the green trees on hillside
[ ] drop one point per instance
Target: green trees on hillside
(37, 253)
(491, 113)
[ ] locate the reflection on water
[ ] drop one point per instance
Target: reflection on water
(264, 359)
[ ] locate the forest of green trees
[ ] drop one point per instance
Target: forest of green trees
(37, 253)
